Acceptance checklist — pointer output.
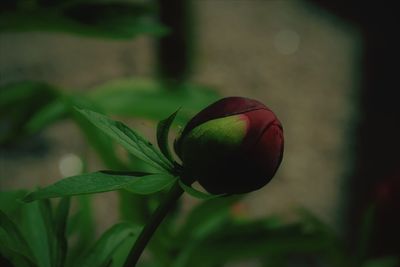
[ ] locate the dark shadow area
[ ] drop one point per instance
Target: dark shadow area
(376, 175)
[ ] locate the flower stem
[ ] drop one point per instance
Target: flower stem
(173, 195)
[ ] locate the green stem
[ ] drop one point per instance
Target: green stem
(173, 195)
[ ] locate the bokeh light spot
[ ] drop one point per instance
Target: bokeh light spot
(287, 42)
(70, 164)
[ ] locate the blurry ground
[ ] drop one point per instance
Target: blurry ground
(290, 55)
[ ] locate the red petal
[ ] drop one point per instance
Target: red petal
(268, 151)
(259, 121)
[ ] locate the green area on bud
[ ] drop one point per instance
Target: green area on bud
(212, 141)
(218, 135)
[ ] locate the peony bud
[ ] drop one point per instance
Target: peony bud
(233, 146)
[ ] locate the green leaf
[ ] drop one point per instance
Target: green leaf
(104, 20)
(204, 219)
(46, 212)
(162, 135)
(150, 184)
(206, 216)
(130, 140)
(98, 182)
(10, 202)
(36, 231)
(19, 92)
(121, 254)
(88, 183)
(101, 142)
(135, 207)
(19, 102)
(60, 222)
(196, 193)
(241, 241)
(151, 99)
(82, 227)
(48, 114)
(13, 243)
(383, 262)
(12, 257)
(101, 253)
(335, 253)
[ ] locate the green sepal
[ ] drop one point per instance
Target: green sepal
(196, 193)
(163, 128)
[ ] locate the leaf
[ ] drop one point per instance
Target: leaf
(101, 142)
(18, 103)
(383, 262)
(88, 183)
(241, 241)
(10, 202)
(101, 253)
(130, 140)
(135, 207)
(14, 244)
(60, 222)
(82, 227)
(206, 216)
(335, 253)
(35, 229)
(12, 257)
(204, 219)
(98, 182)
(18, 92)
(48, 114)
(46, 212)
(162, 135)
(104, 20)
(121, 254)
(196, 193)
(150, 184)
(31, 241)
(151, 99)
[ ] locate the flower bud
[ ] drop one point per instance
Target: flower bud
(233, 146)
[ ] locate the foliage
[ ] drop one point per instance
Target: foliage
(119, 20)
(37, 234)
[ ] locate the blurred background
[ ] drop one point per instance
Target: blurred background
(327, 68)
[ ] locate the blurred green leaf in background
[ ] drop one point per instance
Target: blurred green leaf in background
(115, 20)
